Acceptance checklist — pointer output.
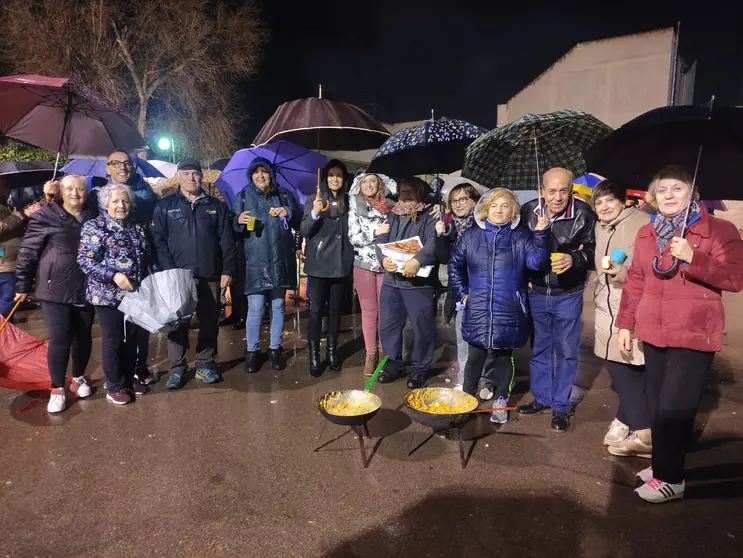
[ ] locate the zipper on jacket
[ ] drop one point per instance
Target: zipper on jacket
(608, 296)
(492, 286)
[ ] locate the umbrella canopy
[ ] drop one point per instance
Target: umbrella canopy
(63, 116)
(434, 147)
(97, 167)
(318, 123)
(516, 155)
(23, 174)
(167, 169)
(296, 169)
(451, 181)
(674, 135)
(23, 360)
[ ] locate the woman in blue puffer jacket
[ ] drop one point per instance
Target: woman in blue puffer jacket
(488, 275)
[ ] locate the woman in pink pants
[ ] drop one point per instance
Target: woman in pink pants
(368, 209)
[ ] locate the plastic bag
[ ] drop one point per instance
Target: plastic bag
(163, 302)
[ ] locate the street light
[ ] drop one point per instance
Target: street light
(167, 145)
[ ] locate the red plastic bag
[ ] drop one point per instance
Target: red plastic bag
(23, 363)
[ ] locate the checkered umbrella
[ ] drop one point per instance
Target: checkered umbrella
(515, 156)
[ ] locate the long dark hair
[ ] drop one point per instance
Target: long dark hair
(342, 196)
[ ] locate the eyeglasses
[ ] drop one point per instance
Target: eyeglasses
(121, 164)
(460, 201)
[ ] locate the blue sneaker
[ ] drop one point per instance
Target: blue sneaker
(175, 381)
(207, 375)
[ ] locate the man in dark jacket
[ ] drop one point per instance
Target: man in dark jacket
(404, 294)
(556, 297)
(192, 230)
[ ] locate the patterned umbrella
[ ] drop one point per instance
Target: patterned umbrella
(515, 156)
(434, 147)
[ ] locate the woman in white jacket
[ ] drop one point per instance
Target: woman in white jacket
(368, 209)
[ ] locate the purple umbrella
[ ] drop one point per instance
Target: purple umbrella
(296, 169)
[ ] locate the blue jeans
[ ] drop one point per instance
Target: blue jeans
(256, 309)
(557, 323)
(7, 293)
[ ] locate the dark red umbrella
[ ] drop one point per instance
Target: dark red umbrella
(61, 115)
(318, 123)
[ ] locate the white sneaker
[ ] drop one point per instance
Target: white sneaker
(84, 388)
(500, 417)
(656, 491)
(645, 475)
(618, 431)
(486, 393)
(458, 387)
(631, 446)
(57, 401)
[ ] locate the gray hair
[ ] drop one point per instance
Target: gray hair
(105, 194)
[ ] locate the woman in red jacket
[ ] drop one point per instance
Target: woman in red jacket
(679, 317)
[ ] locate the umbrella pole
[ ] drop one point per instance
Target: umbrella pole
(67, 115)
(10, 315)
(539, 178)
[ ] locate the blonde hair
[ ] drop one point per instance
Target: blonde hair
(484, 207)
(674, 172)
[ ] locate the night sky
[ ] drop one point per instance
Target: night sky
(398, 59)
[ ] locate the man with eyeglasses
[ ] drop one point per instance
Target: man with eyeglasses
(192, 230)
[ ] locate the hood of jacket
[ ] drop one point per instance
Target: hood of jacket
(266, 164)
(481, 223)
(389, 190)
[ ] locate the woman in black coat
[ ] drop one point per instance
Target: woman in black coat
(48, 257)
(329, 260)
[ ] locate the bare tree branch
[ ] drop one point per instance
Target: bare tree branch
(174, 65)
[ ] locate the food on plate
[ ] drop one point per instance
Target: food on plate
(406, 246)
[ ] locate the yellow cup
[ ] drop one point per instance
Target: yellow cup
(553, 257)
(251, 223)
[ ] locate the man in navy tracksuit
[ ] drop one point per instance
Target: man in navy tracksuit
(192, 230)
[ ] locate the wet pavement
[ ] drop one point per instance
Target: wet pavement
(229, 469)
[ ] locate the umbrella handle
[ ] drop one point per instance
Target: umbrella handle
(670, 272)
(7, 319)
(318, 196)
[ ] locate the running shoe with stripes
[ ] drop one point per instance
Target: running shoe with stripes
(656, 491)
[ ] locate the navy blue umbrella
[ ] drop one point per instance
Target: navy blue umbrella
(97, 167)
(434, 147)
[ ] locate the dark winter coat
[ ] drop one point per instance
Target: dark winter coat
(570, 233)
(329, 253)
(48, 256)
(270, 259)
(489, 267)
(402, 227)
(194, 235)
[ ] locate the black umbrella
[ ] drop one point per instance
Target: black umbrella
(707, 140)
(219, 164)
(22, 174)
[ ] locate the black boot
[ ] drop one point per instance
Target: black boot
(238, 325)
(316, 369)
(334, 362)
(274, 356)
(252, 361)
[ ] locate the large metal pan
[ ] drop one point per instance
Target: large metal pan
(429, 407)
(350, 407)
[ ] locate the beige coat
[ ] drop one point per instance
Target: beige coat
(12, 227)
(620, 234)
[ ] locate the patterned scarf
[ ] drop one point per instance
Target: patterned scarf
(666, 227)
(380, 203)
(462, 224)
(404, 210)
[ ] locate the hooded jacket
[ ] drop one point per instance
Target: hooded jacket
(685, 310)
(490, 267)
(270, 261)
(48, 256)
(572, 233)
(194, 235)
(619, 234)
(329, 253)
(363, 220)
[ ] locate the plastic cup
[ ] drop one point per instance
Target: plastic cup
(618, 256)
(251, 223)
(553, 257)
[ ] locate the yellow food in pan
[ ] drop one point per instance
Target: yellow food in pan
(441, 401)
